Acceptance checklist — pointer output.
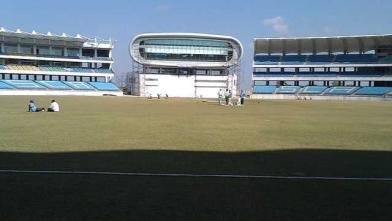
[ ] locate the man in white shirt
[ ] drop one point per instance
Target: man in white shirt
(220, 96)
(54, 107)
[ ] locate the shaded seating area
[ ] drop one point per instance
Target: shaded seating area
(56, 85)
(24, 84)
(356, 58)
(104, 86)
(288, 89)
(267, 59)
(373, 90)
(258, 89)
(341, 90)
(76, 85)
(5, 86)
(313, 90)
(293, 59)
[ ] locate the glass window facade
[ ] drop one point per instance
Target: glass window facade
(186, 50)
(8, 48)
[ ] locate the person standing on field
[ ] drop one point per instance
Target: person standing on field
(227, 94)
(220, 96)
(242, 97)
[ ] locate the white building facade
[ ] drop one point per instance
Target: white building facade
(184, 64)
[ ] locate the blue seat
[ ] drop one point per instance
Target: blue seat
(362, 74)
(2, 67)
(373, 90)
(320, 58)
(24, 84)
(103, 86)
(293, 59)
(341, 90)
(79, 85)
(356, 58)
(288, 89)
(313, 90)
(259, 89)
(5, 86)
(267, 59)
(57, 85)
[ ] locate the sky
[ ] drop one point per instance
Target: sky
(245, 20)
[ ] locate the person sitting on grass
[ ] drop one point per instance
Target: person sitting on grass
(32, 108)
(54, 107)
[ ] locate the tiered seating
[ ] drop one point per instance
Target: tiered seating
(258, 89)
(385, 60)
(78, 69)
(51, 68)
(288, 89)
(293, 59)
(5, 86)
(267, 59)
(79, 85)
(103, 86)
(320, 58)
(313, 90)
(24, 84)
(341, 90)
(373, 90)
(102, 70)
(356, 58)
(56, 85)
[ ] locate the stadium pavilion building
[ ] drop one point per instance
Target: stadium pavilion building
(354, 66)
(49, 64)
(184, 64)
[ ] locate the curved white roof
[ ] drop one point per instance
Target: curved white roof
(135, 54)
(356, 43)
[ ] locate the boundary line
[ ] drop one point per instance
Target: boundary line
(107, 173)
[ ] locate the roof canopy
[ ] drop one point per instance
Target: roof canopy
(322, 44)
(18, 35)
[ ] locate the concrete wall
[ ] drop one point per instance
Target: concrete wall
(183, 85)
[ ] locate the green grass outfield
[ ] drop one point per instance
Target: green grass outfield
(109, 123)
(124, 134)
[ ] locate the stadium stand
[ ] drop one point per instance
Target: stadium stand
(341, 90)
(356, 58)
(5, 86)
(56, 85)
(258, 89)
(267, 59)
(313, 90)
(373, 90)
(103, 86)
(293, 59)
(24, 84)
(79, 85)
(288, 89)
(320, 59)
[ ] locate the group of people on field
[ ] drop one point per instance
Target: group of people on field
(53, 107)
(225, 97)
